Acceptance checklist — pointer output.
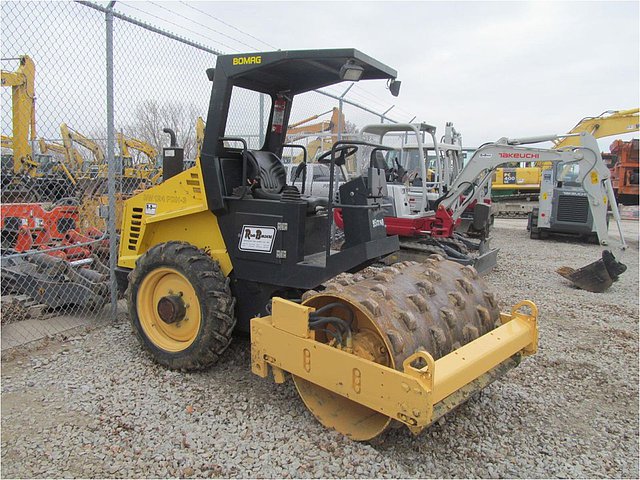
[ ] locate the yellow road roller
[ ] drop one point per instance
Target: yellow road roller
(229, 245)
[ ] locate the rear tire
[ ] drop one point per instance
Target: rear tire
(181, 270)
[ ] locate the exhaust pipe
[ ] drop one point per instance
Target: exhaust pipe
(172, 157)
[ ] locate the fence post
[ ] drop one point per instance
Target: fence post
(111, 167)
(384, 113)
(261, 122)
(340, 105)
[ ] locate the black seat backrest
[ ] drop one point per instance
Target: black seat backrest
(231, 174)
(378, 161)
(271, 173)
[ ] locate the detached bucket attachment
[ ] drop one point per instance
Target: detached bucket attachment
(407, 343)
(597, 276)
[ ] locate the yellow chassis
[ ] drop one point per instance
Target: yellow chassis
(414, 396)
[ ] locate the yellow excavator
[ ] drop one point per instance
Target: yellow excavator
(326, 129)
(227, 245)
(200, 128)
(525, 181)
(135, 174)
(23, 111)
(611, 122)
(91, 178)
(46, 148)
(94, 169)
(24, 177)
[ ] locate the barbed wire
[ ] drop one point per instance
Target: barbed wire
(179, 26)
(173, 12)
(228, 24)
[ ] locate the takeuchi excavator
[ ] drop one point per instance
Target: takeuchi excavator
(418, 177)
(228, 246)
(580, 198)
(523, 179)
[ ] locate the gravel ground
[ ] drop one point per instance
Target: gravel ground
(96, 406)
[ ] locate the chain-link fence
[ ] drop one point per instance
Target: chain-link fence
(84, 112)
(54, 249)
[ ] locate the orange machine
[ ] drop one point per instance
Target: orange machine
(625, 170)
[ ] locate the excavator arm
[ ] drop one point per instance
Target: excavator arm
(593, 174)
(127, 143)
(7, 142)
(200, 126)
(22, 83)
(298, 131)
(69, 136)
(299, 128)
(46, 147)
(73, 156)
(608, 123)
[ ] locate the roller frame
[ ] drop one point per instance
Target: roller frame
(282, 342)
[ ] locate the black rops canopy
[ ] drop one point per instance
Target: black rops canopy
(296, 71)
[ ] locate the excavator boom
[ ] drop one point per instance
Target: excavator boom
(607, 124)
(200, 126)
(73, 156)
(46, 147)
(22, 83)
(127, 143)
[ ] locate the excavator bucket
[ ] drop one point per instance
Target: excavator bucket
(406, 343)
(597, 276)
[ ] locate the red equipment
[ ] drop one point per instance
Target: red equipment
(625, 170)
(56, 221)
(440, 225)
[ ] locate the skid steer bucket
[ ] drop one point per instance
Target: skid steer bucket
(421, 339)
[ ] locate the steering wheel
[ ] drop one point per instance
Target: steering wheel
(396, 173)
(341, 155)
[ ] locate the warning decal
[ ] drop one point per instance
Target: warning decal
(256, 238)
(150, 208)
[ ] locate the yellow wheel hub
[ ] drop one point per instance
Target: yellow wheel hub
(162, 287)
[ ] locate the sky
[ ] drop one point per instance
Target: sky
(493, 68)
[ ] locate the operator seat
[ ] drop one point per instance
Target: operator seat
(271, 177)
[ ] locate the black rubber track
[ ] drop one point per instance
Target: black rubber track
(216, 303)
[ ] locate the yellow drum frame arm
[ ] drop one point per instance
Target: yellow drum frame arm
(426, 388)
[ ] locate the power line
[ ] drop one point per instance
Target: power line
(364, 99)
(203, 25)
(227, 24)
(371, 96)
(358, 90)
(178, 25)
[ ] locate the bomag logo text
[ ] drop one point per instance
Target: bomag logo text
(247, 60)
